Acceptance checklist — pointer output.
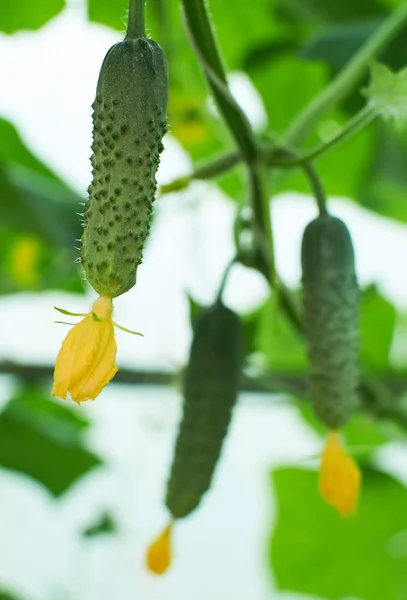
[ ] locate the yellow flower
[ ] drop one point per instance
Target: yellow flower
(87, 359)
(339, 477)
(159, 554)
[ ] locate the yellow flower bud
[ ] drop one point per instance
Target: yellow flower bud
(86, 360)
(159, 554)
(339, 477)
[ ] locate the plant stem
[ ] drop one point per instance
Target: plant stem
(204, 43)
(316, 186)
(135, 23)
(212, 169)
(355, 124)
(224, 280)
(346, 80)
(260, 203)
(274, 157)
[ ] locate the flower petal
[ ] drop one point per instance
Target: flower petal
(339, 477)
(158, 557)
(103, 367)
(75, 356)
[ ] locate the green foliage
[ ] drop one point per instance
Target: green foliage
(6, 596)
(387, 92)
(378, 319)
(105, 523)
(44, 440)
(15, 16)
(314, 551)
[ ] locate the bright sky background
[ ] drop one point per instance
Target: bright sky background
(48, 83)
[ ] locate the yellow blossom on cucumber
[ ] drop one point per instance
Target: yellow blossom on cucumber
(86, 362)
(159, 553)
(339, 477)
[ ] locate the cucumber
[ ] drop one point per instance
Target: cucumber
(211, 386)
(331, 318)
(129, 122)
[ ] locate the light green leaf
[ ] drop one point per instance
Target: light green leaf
(377, 323)
(26, 14)
(314, 551)
(43, 439)
(278, 341)
(387, 92)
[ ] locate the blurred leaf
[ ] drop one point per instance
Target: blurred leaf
(330, 11)
(377, 323)
(104, 524)
(28, 15)
(343, 170)
(362, 430)
(385, 179)
(316, 552)
(336, 45)
(43, 439)
(278, 341)
(7, 596)
(112, 13)
(274, 82)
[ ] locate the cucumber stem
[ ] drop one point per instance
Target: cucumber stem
(135, 24)
(316, 186)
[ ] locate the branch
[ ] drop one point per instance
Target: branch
(380, 397)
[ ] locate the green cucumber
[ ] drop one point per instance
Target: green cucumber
(331, 318)
(129, 122)
(211, 386)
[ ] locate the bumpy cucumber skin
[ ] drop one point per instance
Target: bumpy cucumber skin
(129, 123)
(331, 318)
(211, 388)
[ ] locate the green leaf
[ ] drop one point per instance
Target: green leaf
(314, 551)
(362, 432)
(377, 323)
(387, 92)
(327, 11)
(278, 341)
(104, 524)
(25, 14)
(112, 13)
(43, 439)
(7, 596)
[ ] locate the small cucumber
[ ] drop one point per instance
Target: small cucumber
(211, 388)
(331, 318)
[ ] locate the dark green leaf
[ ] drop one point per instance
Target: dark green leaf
(316, 552)
(7, 596)
(43, 439)
(104, 524)
(329, 11)
(25, 14)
